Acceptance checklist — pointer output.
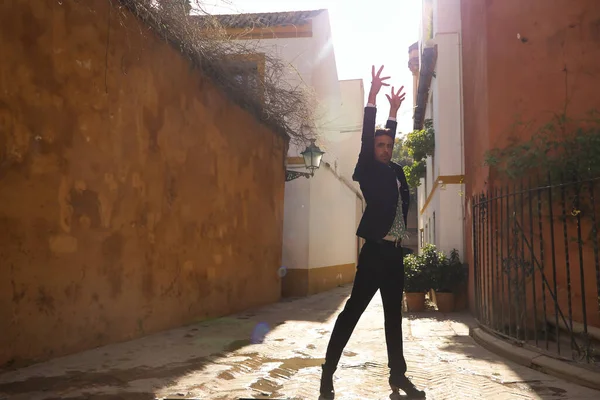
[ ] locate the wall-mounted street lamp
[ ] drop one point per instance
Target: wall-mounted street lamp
(312, 160)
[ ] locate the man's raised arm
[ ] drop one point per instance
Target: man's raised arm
(395, 99)
(367, 148)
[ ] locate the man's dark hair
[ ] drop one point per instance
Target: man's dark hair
(384, 131)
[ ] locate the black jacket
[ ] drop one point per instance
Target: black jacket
(378, 184)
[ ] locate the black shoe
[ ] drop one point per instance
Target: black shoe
(404, 384)
(326, 390)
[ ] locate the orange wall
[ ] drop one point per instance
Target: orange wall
(507, 80)
(132, 190)
(475, 112)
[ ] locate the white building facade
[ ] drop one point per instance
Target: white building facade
(320, 247)
(439, 98)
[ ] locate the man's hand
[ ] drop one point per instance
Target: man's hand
(395, 100)
(376, 83)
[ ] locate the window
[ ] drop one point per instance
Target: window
(247, 70)
(246, 74)
(433, 228)
(429, 224)
(431, 105)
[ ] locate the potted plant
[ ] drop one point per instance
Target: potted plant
(431, 260)
(449, 275)
(416, 283)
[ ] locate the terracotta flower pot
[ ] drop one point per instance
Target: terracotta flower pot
(415, 302)
(444, 302)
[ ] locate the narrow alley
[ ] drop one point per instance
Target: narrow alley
(275, 352)
(167, 161)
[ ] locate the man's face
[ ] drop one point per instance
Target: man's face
(384, 145)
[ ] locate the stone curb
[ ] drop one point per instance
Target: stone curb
(538, 361)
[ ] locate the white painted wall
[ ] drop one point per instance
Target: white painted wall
(448, 105)
(447, 201)
(348, 140)
(446, 16)
(296, 218)
(332, 239)
(320, 213)
(326, 85)
(312, 66)
(320, 220)
(449, 219)
(332, 232)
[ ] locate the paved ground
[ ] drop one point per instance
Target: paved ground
(218, 360)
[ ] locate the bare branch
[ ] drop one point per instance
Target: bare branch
(271, 94)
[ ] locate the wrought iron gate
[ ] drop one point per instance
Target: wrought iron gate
(537, 266)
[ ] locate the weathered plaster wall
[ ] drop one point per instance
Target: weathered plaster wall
(553, 66)
(475, 113)
(134, 195)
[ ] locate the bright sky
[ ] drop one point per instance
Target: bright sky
(364, 33)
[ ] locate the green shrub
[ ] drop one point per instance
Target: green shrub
(449, 274)
(416, 279)
(432, 269)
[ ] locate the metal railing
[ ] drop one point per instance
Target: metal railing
(537, 266)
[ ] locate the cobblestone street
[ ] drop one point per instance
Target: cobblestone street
(218, 360)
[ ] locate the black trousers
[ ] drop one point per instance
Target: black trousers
(380, 266)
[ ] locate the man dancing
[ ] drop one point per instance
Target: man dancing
(380, 263)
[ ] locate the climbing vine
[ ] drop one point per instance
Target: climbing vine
(564, 155)
(562, 150)
(419, 145)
